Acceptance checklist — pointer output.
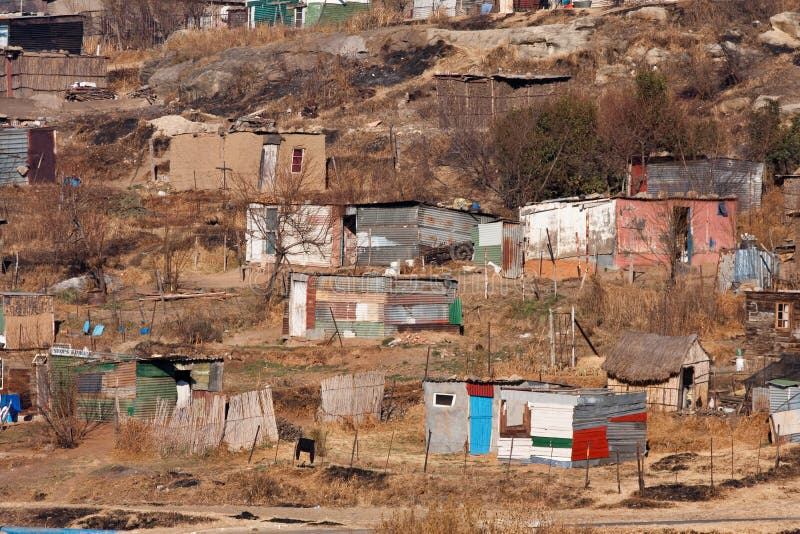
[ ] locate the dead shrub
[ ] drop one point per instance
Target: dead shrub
(670, 433)
(319, 434)
(377, 17)
(196, 329)
(195, 44)
(135, 437)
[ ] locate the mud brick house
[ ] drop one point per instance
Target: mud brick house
(254, 161)
(772, 325)
(319, 305)
(27, 156)
(674, 371)
(640, 231)
(476, 101)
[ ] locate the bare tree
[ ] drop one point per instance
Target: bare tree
(68, 419)
(283, 218)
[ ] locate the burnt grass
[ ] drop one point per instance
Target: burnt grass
(355, 474)
(674, 462)
(678, 493)
(93, 518)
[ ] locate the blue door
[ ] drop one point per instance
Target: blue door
(480, 425)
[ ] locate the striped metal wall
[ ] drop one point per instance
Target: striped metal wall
(13, 154)
(47, 33)
(442, 226)
(782, 399)
(386, 234)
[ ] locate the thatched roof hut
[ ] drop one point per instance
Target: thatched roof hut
(674, 370)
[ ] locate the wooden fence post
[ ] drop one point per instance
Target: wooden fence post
(712, 464)
(778, 447)
(355, 443)
(511, 452)
(427, 450)
(391, 441)
(588, 447)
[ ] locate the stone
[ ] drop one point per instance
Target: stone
(787, 22)
(609, 73)
(651, 13)
(762, 101)
(790, 109)
(715, 50)
(733, 105)
(172, 125)
(733, 35)
(167, 79)
(656, 56)
(779, 41)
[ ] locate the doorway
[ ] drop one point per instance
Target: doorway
(682, 234)
(687, 399)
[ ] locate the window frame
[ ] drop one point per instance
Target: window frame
(786, 312)
(302, 160)
(452, 402)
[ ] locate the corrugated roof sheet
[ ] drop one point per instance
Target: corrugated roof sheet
(720, 176)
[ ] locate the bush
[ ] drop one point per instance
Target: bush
(198, 329)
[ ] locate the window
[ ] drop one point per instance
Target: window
(270, 224)
(783, 315)
(444, 399)
(297, 160)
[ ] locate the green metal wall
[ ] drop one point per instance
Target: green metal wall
(267, 12)
(318, 13)
(493, 253)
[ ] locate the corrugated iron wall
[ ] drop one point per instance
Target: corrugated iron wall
(442, 226)
(47, 33)
(377, 306)
(487, 242)
(719, 176)
(13, 154)
(513, 251)
(386, 234)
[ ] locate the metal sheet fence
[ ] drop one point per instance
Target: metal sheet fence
(355, 397)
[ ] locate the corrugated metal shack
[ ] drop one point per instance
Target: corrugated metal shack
(27, 320)
(618, 232)
(784, 408)
(501, 243)
(673, 370)
(27, 156)
(136, 382)
(33, 73)
(270, 12)
(476, 100)
(399, 231)
(713, 176)
(462, 412)
(568, 428)
(770, 325)
(43, 33)
(369, 306)
(749, 267)
(424, 9)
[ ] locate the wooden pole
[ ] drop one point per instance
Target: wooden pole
(511, 452)
(712, 464)
(552, 340)
(336, 327)
(225, 253)
(619, 486)
(253, 447)
(391, 441)
(639, 469)
(277, 444)
(731, 455)
(355, 443)
(196, 251)
(758, 459)
(427, 361)
(427, 450)
(586, 481)
(466, 452)
(489, 351)
(485, 277)
(778, 447)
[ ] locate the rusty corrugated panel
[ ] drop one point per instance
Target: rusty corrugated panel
(41, 156)
(440, 226)
(480, 390)
(50, 33)
(512, 250)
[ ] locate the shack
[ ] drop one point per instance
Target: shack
(630, 232)
(271, 12)
(500, 243)
(757, 385)
(369, 306)
(568, 428)
(477, 100)
(748, 267)
(466, 413)
(784, 408)
(42, 33)
(251, 161)
(712, 176)
(770, 325)
(313, 236)
(672, 370)
(27, 73)
(27, 156)
(319, 12)
(27, 320)
(399, 231)
(101, 381)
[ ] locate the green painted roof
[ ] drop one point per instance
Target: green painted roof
(784, 383)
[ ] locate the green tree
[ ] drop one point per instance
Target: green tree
(552, 150)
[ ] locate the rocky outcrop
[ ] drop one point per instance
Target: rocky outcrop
(651, 13)
(785, 33)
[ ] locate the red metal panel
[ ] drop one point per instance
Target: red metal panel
(42, 156)
(311, 301)
(594, 438)
(480, 390)
(632, 418)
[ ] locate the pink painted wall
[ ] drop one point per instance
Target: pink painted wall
(642, 225)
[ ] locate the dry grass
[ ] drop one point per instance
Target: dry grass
(377, 17)
(670, 433)
(135, 437)
(196, 44)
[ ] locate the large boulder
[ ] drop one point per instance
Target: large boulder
(651, 13)
(788, 22)
(779, 41)
(656, 56)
